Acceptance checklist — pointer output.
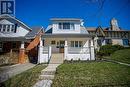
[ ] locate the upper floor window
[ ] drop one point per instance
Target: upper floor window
(7, 28)
(66, 26)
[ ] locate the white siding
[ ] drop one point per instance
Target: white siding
(20, 31)
(56, 30)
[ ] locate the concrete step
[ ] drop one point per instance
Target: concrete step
(46, 77)
(49, 72)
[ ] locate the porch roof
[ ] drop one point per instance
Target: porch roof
(67, 36)
(13, 39)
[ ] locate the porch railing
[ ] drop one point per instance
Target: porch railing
(45, 50)
(78, 50)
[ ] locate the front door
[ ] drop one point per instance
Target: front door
(61, 48)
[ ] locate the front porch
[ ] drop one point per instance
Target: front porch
(74, 48)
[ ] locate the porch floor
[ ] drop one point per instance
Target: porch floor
(57, 58)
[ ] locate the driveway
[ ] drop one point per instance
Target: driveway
(7, 72)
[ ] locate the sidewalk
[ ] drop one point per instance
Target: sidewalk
(7, 72)
(116, 62)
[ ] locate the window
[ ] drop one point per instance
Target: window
(4, 28)
(72, 44)
(8, 28)
(80, 43)
(125, 42)
(53, 42)
(60, 26)
(76, 44)
(13, 28)
(66, 25)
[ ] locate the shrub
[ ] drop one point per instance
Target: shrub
(107, 50)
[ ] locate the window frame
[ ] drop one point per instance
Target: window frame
(66, 26)
(76, 44)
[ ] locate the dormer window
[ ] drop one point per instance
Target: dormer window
(66, 26)
(7, 28)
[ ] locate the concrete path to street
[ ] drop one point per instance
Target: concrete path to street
(47, 74)
(7, 72)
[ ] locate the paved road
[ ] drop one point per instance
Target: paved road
(7, 72)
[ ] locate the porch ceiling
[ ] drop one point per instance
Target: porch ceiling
(67, 36)
(12, 39)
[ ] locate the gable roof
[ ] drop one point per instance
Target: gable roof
(99, 29)
(6, 16)
(35, 30)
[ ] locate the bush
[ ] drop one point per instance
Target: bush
(107, 50)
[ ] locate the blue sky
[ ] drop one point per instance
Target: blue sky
(38, 12)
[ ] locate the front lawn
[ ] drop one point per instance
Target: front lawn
(121, 56)
(92, 74)
(25, 79)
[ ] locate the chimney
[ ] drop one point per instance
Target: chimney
(114, 25)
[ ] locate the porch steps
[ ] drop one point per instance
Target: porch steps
(57, 58)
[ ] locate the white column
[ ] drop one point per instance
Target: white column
(22, 45)
(49, 53)
(65, 50)
(40, 51)
(92, 50)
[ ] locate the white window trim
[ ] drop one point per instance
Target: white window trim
(78, 44)
(70, 25)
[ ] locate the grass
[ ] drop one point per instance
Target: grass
(121, 56)
(25, 79)
(97, 74)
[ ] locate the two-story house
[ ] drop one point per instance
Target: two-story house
(67, 38)
(110, 35)
(15, 37)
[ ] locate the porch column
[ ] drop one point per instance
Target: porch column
(65, 50)
(92, 50)
(22, 53)
(40, 51)
(49, 54)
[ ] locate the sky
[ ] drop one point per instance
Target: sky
(93, 12)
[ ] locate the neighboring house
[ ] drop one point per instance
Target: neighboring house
(15, 36)
(69, 37)
(110, 35)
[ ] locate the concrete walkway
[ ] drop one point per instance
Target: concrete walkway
(47, 74)
(113, 61)
(7, 72)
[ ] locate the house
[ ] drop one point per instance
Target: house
(17, 38)
(110, 35)
(68, 37)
